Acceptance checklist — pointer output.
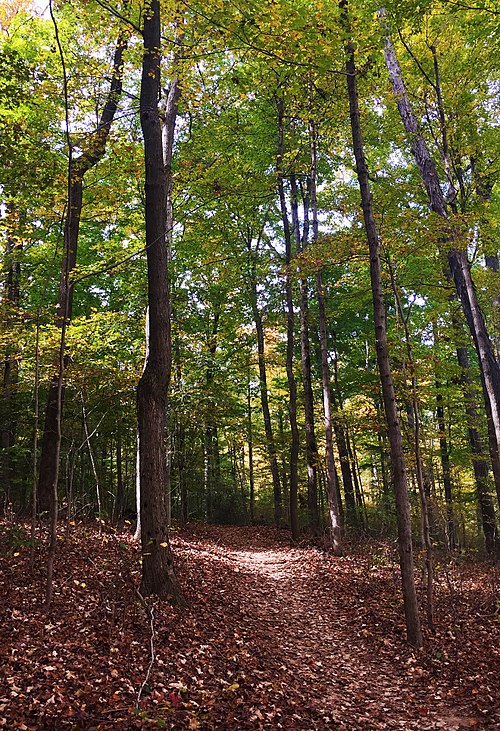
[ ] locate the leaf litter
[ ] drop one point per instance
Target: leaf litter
(273, 637)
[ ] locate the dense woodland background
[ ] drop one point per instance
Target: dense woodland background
(319, 224)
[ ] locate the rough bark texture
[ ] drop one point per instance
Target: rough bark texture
(157, 563)
(393, 425)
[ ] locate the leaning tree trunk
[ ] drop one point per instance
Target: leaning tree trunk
(394, 429)
(95, 148)
(450, 239)
(157, 562)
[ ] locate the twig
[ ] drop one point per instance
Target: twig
(150, 613)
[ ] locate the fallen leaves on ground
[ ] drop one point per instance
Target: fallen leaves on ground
(273, 637)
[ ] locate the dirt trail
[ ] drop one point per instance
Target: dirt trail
(334, 630)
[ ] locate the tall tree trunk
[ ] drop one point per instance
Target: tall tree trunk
(157, 561)
(264, 398)
(251, 478)
(210, 427)
(340, 437)
(415, 413)
(94, 150)
(394, 430)
(301, 242)
(451, 533)
(450, 240)
(331, 474)
(290, 332)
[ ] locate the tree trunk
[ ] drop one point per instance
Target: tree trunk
(450, 239)
(264, 398)
(290, 333)
(331, 474)
(251, 478)
(158, 576)
(479, 461)
(393, 425)
(415, 413)
(301, 242)
(451, 533)
(94, 150)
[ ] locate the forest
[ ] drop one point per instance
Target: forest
(250, 353)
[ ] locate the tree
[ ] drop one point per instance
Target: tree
(393, 426)
(158, 575)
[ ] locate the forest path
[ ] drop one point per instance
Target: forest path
(273, 638)
(334, 631)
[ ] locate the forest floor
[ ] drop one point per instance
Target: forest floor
(273, 637)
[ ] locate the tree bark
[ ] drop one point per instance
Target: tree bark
(158, 575)
(394, 430)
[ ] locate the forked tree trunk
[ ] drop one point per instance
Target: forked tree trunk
(158, 575)
(394, 430)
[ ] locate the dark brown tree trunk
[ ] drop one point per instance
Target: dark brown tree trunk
(264, 398)
(394, 430)
(94, 151)
(158, 575)
(340, 437)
